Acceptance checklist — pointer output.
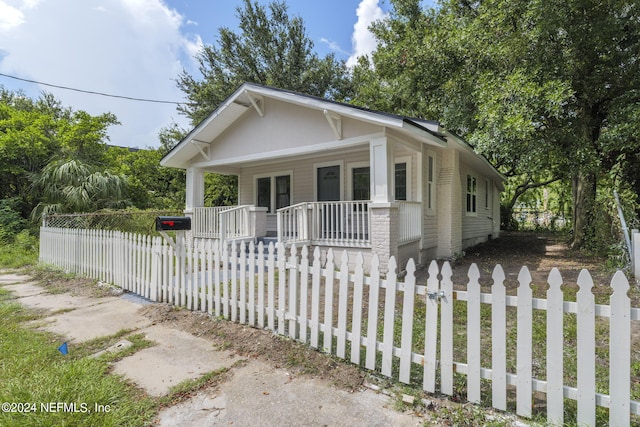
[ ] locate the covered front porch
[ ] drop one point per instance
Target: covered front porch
(335, 224)
(365, 195)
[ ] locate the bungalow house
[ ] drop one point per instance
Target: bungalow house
(332, 175)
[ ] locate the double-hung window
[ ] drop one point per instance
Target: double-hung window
(361, 182)
(471, 194)
(273, 192)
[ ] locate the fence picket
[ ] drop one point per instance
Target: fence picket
(356, 321)
(261, 286)
(343, 298)
(431, 329)
(304, 293)
(389, 318)
(271, 288)
(406, 339)
(282, 287)
(204, 276)
(446, 331)
(498, 340)
(293, 292)
(620, 351)
(473, 335)
(555, 345)
(328, 303)
(524, 345)
(217, 275)
(315, 298)
(372, 318)
(210, 276)
(243, 283)
(586, 351)
(233, 297)
(251, 306)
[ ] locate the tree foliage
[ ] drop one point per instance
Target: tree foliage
(271, 48)
(546, 90)
(71, 185)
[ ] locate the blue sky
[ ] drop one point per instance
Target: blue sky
(137, 48)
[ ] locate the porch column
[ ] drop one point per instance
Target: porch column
(384, 233)
(258, 221)
(381, 170)
(449, 206)
(195, 189)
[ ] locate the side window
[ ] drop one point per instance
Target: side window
(471, 194)
(401, 181)
(431, 185)
(264, 193)
(361, 178)
(283, 191)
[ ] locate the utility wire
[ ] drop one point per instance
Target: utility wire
(92, 92)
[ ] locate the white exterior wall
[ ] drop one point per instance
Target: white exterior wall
(430, 219)
(284, 126)
(477, 227)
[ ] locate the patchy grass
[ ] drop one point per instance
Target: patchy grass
(34, 372)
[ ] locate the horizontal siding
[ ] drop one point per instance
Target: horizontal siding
(303, 174)
(479, 226)
(283, 126)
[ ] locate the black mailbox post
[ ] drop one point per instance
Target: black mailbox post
(173, 223)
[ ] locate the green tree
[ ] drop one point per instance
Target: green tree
(545, 90)
(68, 186)
(271, 49)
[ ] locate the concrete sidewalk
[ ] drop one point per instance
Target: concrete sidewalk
(253, 394)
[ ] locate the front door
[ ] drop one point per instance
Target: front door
(328, 190)
(328, 182)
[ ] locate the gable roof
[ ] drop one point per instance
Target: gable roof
(248, 96)
(245, 97)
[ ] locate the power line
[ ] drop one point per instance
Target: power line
(130, 98)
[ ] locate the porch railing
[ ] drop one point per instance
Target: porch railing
(293, 223)
(222, 222)
(206, 222)
(325, 223)
(409, 221)
(235, 223)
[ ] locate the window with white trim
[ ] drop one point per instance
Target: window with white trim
(487, 193)
(471, 194)
(431, 184)
(401, 181)
(273, 192)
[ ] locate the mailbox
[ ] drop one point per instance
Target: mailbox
(173, 223)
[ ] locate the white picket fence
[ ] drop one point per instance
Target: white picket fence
(299, 297)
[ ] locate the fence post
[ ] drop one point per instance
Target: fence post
(635, 253)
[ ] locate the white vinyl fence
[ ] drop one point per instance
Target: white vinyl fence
(387, 325)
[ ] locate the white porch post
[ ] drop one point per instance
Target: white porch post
(383, 210)
(449, 206)
(195, 189)
(194, 198)
(381, 170)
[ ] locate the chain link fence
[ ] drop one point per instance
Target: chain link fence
(142, 222)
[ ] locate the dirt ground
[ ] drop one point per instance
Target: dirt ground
(539, 253)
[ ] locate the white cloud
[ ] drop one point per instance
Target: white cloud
(10, 17)
(362, 40)
(334, 46)
(125, 47)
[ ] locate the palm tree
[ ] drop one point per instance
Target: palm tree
(75, 186)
